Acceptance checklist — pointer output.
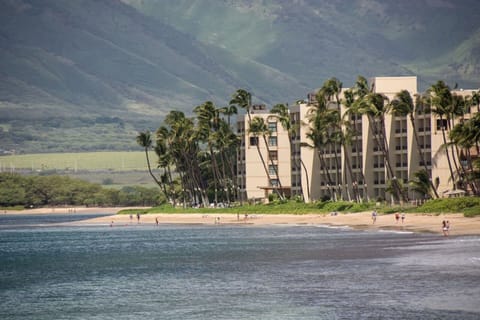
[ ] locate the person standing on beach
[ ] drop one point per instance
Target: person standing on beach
(447, 224)
(403, 217)
(374, 216)
(445, 228)
(156, 221)
(397, 217)
(138, 217)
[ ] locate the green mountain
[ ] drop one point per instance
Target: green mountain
(316, 39)
(88, 74)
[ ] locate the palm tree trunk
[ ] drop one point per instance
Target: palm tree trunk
(422, 154)
(306, 177)
(173, 194)
(350, 172)
(295, 162)
(327, 173)
(338, 175)
(150, 169)
(448, 155)
(455, 153)
(379, 138)
(280, 193)
(214, 173)
(362, 175)
(401, 193)
(266, 169)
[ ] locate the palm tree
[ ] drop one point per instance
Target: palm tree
(403, 105)
(466, 135)
(440, 100)
(320, 119)
(165, 161)
(282, 114)
(422, 184)
(226, 142)
(357, 92)
(476, 99)
(229, 111)
(144, 139)
(186, 153)
(374, 106)
(208, 124)
(242, 99)
(458, 109)
(258, 127)
(331, 91)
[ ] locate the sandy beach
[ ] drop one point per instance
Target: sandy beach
(459, 225)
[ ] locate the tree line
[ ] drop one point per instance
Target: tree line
(197, 155)
(56, 190)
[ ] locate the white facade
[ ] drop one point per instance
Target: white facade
(368, 178)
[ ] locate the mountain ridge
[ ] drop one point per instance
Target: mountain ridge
(133, 61)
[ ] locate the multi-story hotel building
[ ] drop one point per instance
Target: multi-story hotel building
(301, 172)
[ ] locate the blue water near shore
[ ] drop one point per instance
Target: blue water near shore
(234, 272)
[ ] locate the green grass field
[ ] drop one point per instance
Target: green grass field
(85, 161)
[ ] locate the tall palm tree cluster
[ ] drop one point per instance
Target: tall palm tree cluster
(197, 155)
(332, 133)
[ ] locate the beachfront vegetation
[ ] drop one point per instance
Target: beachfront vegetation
(469, 206)
(54, 190)
(276, 207)
(197, 155)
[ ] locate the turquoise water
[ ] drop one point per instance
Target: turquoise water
(234, 272)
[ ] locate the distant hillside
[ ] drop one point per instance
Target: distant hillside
(316, 39)
(88, 74)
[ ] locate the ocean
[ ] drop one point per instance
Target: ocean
(232, 272)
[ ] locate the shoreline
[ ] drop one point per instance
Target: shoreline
(69, 210)
(417, 223)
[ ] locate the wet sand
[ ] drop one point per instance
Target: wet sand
(459, 225)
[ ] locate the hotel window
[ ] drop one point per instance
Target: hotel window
(272, 126)
(274, 182)
(273, 155)
(272, 141)
(272, 170)
(253, 141)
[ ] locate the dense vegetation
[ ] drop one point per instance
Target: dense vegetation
(38, 191)
(202, 150)
(469, 206)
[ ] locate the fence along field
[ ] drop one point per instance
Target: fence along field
(115, 169)
(73, 162)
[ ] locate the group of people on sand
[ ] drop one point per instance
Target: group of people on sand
(397, 217)
(138, 219)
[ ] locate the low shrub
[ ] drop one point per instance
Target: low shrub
(450, 205)
(471, 212)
